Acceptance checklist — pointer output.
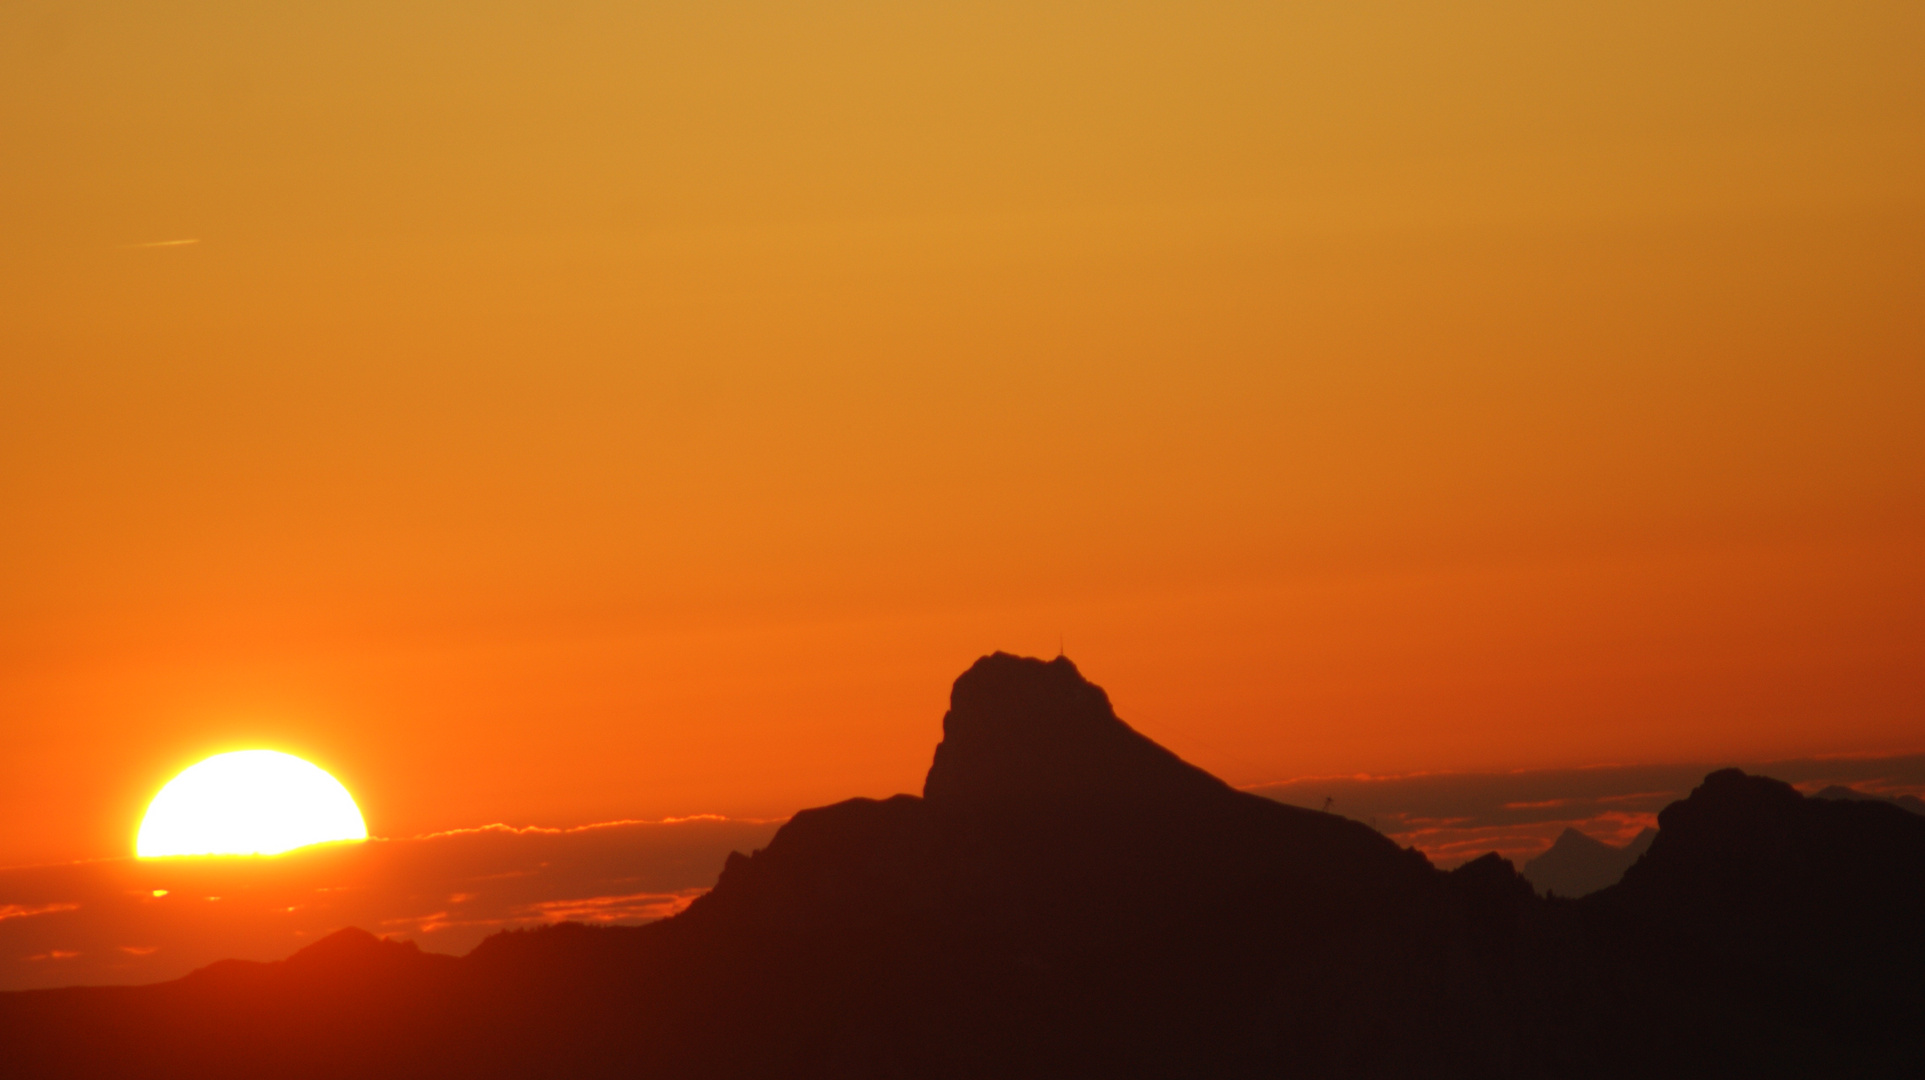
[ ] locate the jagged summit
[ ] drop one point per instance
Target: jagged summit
(1029, 736)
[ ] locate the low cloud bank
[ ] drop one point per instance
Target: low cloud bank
(137, 921)
(1454, 817)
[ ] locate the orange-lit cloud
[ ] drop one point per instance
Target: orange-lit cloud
(22, 911)
(447, 892)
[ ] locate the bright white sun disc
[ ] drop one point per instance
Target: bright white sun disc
(249, 802)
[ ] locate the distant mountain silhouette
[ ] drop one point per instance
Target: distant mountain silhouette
(1578, 865)
(1069, 899)
(1908, 802)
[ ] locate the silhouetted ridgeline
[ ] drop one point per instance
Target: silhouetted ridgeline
(1070, 899)
(1907, 802)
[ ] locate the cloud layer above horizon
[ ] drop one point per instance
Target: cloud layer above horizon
(136, 921)
(1454, 817)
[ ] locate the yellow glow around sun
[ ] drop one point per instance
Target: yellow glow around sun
(249, 802)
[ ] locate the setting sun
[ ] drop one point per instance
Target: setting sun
(249, 802)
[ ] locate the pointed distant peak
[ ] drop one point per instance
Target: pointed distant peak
(1575, 839)
(1642, 840)
(350, 944)
(348, 937)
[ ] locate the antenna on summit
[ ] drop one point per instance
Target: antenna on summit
(1059, 647)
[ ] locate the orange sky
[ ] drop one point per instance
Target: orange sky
(579, 410)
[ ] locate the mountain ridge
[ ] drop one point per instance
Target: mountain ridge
(1067, 898)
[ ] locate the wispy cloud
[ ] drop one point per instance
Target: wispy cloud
(165, 243)
(627, 908)
(635, 907)
(22, 911)
(502, 829)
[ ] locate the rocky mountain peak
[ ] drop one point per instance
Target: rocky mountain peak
(1028, 735)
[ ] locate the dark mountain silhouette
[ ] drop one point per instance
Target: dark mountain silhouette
(1578, 864)
(1068, 899)
(1907, 802)
(1825, 894)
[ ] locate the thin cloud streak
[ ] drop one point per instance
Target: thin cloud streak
(502, 828)
(21, 911)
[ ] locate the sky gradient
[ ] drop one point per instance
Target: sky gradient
(582, 411)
